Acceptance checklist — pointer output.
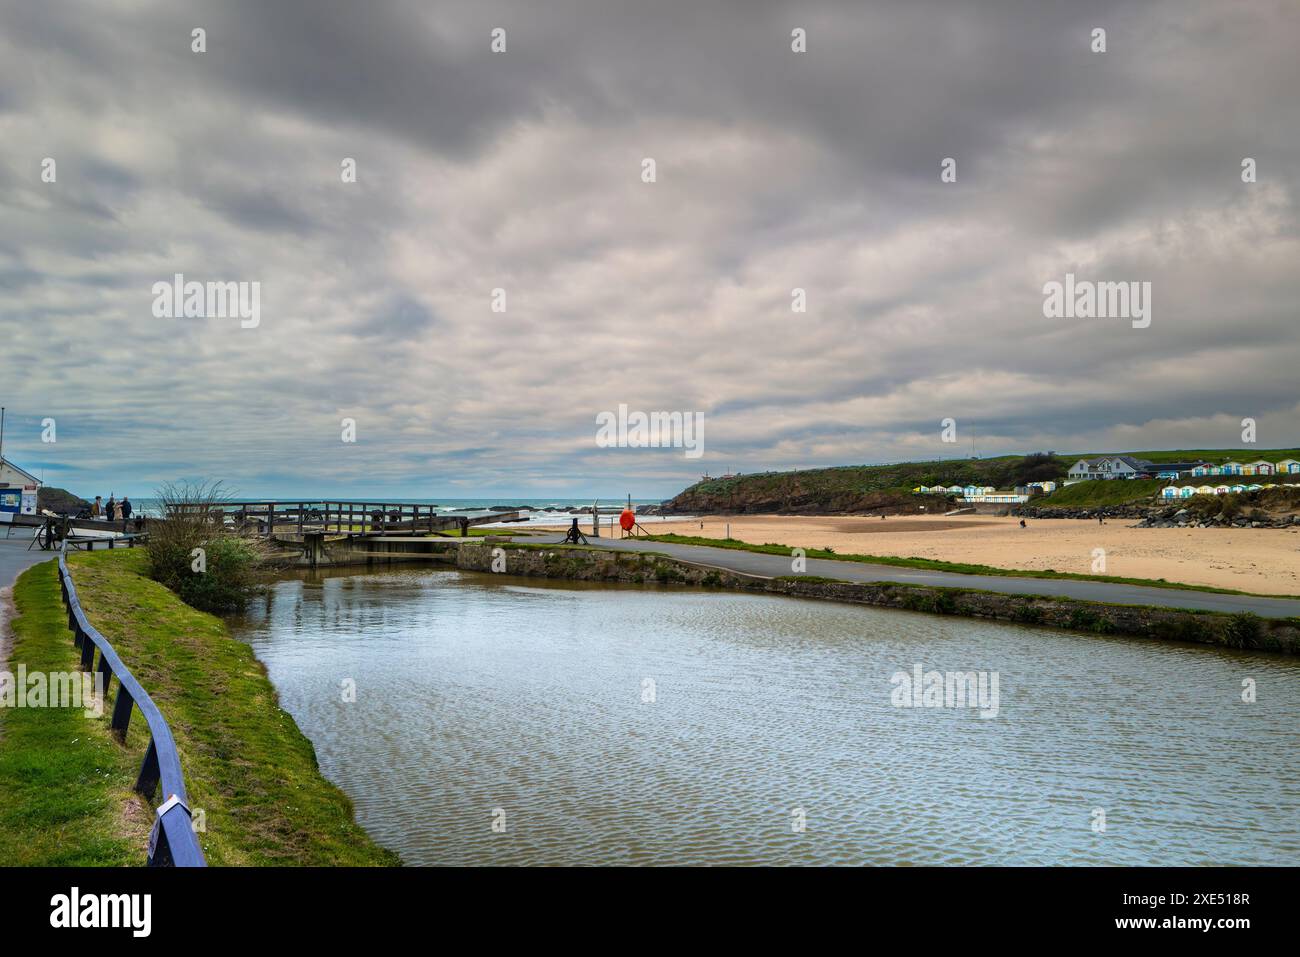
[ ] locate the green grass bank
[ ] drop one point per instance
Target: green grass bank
(247, 766)
(65, 784)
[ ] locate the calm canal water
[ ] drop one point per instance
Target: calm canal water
(641, 726)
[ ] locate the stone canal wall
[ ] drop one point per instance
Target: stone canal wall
(583, 564)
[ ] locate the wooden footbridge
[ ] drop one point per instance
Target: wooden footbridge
(301, 532)
(347, 533)
(296, 519)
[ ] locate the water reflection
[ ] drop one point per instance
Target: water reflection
(480, 694)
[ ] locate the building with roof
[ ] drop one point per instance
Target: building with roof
(1111, 467)
(18, 489)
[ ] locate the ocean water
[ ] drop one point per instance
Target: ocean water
(465, 506)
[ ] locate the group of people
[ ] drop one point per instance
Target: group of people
(112, 509)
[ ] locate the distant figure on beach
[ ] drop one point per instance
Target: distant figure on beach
(1022, 523)
(125, 505)
(112, 508)
(97, 509)
(882, 516)
(1101, 520)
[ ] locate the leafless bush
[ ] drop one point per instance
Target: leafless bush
(193, 553)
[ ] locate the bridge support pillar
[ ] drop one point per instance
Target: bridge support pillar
(313, 548)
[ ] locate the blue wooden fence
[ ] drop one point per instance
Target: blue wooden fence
(173, 842)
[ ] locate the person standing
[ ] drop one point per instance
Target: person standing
(112, 508)
(97, 509)
(125, 506)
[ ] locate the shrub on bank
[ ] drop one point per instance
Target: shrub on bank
(227, 578)
(191, 553)
(1244, 630)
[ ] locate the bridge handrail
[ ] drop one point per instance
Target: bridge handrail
(175, 843)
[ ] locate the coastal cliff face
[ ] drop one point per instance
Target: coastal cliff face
(855, 488)
(793, 499)
(59, 500)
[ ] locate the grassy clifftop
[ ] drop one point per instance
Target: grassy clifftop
(1100, 493)
(855, 488)
(864, 488)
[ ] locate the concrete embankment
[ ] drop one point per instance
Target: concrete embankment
(1245, 631)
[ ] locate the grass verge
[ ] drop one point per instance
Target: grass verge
(65, 784)
(247, 766)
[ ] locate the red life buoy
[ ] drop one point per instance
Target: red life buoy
(627, 519)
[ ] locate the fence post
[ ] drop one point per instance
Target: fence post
(121, 711)
(147, 782)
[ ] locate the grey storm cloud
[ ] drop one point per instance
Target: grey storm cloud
(521, 171)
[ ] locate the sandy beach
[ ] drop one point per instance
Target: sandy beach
(1265, 561)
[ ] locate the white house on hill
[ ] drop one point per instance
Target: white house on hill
(1110, 467)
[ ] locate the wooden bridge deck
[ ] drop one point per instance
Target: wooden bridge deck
(350, 519)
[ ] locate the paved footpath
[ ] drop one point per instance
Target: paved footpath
(772, 566)
(15, 558)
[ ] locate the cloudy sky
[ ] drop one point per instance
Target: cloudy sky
(522, 171)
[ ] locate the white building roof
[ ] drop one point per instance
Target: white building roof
(7, 464)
